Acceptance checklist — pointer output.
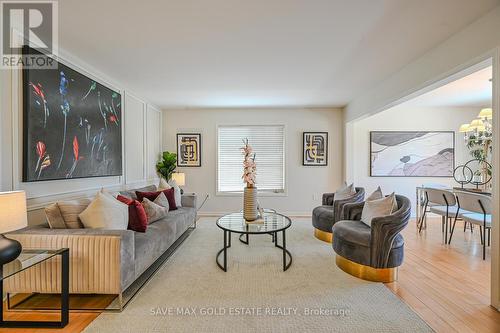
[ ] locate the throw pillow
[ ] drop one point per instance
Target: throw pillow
(105, 213)
(377, 194)
(163, 185)
(54, 217)
(153, 211)
(377, 208)
(178, 195)
(137, 218)
(151, 196)
(70, 211)
(162, 200)
(344, 192)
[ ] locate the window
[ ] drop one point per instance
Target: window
(268, 144)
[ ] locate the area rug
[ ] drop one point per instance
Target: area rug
(191, 294)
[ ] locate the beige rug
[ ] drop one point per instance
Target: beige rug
(191, 294)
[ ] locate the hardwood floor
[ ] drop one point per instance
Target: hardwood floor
(447, 285)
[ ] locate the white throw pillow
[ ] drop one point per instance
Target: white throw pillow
(163, 185)
(161, 200)
(377, 194)
(377, 208)
(105, 212)
(344, 192)
(177, 193)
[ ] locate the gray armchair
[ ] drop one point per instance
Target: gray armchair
(325, 216)
(371, 253)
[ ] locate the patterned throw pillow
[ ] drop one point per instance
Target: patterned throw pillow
(70, 211)
(54, 217)
(154, 211)
(151, 196)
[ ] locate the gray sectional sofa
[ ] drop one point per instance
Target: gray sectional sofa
(101, 261)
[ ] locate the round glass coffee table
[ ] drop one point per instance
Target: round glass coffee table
(272, 224)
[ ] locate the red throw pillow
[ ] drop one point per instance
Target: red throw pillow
(137, 218)
(170, 194)
(150, 195)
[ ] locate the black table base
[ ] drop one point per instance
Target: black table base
(64, 302)
(244, 238)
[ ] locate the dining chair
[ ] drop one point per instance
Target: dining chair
(440, 202)
(475, 208)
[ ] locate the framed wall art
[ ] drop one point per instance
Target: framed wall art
(72, 125)
(189, 150)
(412, 153)
(315, 148)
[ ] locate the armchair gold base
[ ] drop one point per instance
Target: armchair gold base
(323, 235)
(366, 272)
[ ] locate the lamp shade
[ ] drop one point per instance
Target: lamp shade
(486, 114)
(475, 124)
(464, 128)
(13, 213)
(179, 178)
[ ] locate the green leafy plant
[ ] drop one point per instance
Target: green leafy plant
(167, 165)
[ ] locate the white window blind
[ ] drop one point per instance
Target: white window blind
(268, 144)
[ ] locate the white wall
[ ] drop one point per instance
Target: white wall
(141, 132)
(407, 119)
(304, 184)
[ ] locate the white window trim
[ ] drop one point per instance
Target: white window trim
(260, 194)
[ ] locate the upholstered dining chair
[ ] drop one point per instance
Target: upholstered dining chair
(371, 253)
(475, 208)
(326, 215)
(443, 203)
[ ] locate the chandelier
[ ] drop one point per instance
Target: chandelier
(479, 129)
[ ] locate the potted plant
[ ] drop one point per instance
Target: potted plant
(167, 165)
(250, 209)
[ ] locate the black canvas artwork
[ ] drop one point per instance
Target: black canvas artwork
(315, 149)
(188, 150)
(72, 126)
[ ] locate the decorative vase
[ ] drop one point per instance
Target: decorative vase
(250, 212)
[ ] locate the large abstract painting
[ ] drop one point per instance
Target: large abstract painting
(188, 150)
(315, 148)
(412, 154)
(72, 126)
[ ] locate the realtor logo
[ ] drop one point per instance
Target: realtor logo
(28, 23)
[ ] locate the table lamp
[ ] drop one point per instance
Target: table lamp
(180, 179)
(13, 216)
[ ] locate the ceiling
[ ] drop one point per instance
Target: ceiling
(474, 90)
(230, 53)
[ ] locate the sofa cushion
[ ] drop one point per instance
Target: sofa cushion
(322, 218)
(105, 212)
(177, 193)
(71, 209)
(377, 194)
(149, 246)
(162, 200)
